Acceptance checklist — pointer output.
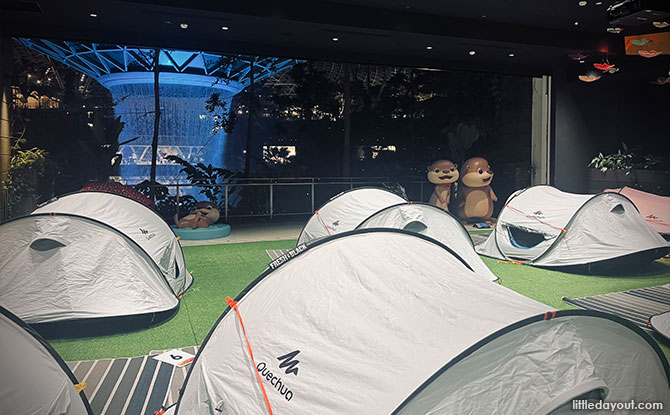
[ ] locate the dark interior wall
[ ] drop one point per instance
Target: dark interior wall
(589, 118)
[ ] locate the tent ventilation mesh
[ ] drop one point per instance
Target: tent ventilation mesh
(618, 209)
(45, 244)
(415, 226)
(524, 239)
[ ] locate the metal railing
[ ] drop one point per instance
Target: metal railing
(273, 197)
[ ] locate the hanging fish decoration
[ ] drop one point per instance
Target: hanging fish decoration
(661, 80)
(589, 78)
(605, 66)
(640, 42)
(649, 53)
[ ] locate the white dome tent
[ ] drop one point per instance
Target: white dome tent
(655, 209)
(137, 222)
(434, 222)
(59, 270)
(373, 321)
(345, 211)
(661, 324)
(544, 226)
(35, 380)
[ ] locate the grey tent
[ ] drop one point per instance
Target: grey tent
(661, 324)
(62, 268)
(343, 212)
(434, 222)
(544, 226)
(134, 220)
(389, 321)
(35, 380)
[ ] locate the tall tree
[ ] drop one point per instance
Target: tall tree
(250, 118)
(157, 116)
(5, 97)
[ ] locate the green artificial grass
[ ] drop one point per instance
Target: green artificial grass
(479, 231)
(218, 271)
(225, 270)
(549, 287)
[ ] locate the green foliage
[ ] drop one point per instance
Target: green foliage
(628, 160)
(432, 112)
(206, 177)
(316, 97)
(26, 167)
(225, 117)
(166, 204)
(100, 148)
(653, 162)
(619, 160)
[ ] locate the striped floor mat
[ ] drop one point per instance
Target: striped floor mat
(130, 386)
(275, 253)
(635, 305)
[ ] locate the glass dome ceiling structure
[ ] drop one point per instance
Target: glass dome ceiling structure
(187, 80)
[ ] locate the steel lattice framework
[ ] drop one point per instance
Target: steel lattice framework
(97, 59)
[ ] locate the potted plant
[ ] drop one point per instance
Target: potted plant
(626, 168)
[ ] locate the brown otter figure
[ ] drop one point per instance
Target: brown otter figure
(442, 174)
(475, 196)
(203, 215)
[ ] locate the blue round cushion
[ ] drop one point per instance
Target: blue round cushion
(218, 230)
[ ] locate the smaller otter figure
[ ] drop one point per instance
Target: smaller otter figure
(203, 215)
(475, 196)
(442, 174)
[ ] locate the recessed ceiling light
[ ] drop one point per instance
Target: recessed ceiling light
(335, 39)
(429, 47)
(224, 27)
(472, 53)
(483, 16)
(167, 21)
(183, 25)
(582, 61)
(576, 23)
(93, 15)
(599, 3)
(511, 55)
(582, 3)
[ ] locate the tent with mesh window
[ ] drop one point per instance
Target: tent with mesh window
(35, 380)
(66, 274)
(343, 212)
(388, 321)
(434, 222)
(544, 226)
(136, 221)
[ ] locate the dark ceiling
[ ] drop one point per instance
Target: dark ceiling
(539, 33)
